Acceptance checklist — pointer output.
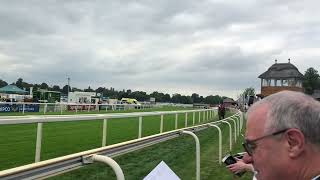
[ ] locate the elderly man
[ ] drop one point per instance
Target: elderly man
(283, 137)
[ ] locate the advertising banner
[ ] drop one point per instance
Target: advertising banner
(81, 107)
(19, 108)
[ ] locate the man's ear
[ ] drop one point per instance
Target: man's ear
(296, 142)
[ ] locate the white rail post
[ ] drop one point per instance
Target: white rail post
(23, 106)
(113, 164)
(197, 153)
(230, 133)
(204, 116)
(213, 113)
(241, 114)
(60, 108)
(240, 120)
(176, 121)
(38, 142)
(235, 129)
(186, 120)
(237, 124)
(234, 118)
(161, 123)
(140, 127)
(193, 118)
(199, 116)
(104, 132)
(89, 107)
(45, 108)
(220, 141)
(207, 112)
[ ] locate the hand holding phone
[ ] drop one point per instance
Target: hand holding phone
(229, 160)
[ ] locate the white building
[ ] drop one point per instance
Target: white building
(80, 97)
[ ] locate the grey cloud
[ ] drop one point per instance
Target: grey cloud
(182, 45)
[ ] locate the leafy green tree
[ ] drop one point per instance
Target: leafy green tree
(3, 83)
(140, 96)
(160, 97)
(56, 88)
(195, 98)
(19, 83)
(213, 99)
(311, 80)
(44, 86)
(74, 89)
(65, 89)
(23, 85)
(249, 92)
(176, 98)
(166, 98)
(201, 99)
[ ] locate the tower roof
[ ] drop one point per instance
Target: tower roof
(281, 70)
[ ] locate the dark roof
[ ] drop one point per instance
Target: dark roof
(282, 70)
(12, 89)
(228, 100)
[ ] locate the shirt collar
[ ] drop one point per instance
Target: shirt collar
(316, 178)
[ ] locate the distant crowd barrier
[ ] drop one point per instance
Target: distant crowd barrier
(23, 107)
(61, 164)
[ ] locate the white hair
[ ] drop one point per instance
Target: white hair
(289, 109)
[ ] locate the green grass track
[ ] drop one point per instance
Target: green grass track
(178, 153)
(17, 142)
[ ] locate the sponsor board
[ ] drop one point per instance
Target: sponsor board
(81, 107)
(19, 108)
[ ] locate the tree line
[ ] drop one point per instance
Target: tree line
(311, 80)
(118, 94)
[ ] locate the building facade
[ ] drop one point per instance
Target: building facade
(279, 77)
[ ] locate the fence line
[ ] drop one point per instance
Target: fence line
(197, 152)
(71, 107)
(57, 164)
(42, 119)
(220, 141)
(107, 160)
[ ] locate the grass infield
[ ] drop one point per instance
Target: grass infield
(17, 142)
(17, 147)
(179, 154)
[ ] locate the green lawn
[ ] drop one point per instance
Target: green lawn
(178, 153)
(17, 142)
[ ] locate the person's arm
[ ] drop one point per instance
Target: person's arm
(240, 166)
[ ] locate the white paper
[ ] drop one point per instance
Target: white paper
(162, 172)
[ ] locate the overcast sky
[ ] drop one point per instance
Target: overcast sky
(174, 46)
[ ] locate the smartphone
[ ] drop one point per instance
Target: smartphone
(228, 159)
(239, 155)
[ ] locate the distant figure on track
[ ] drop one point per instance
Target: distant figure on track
(221, 111)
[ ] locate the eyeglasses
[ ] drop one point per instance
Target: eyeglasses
(250, 145)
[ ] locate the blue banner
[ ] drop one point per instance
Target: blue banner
(19, 108)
